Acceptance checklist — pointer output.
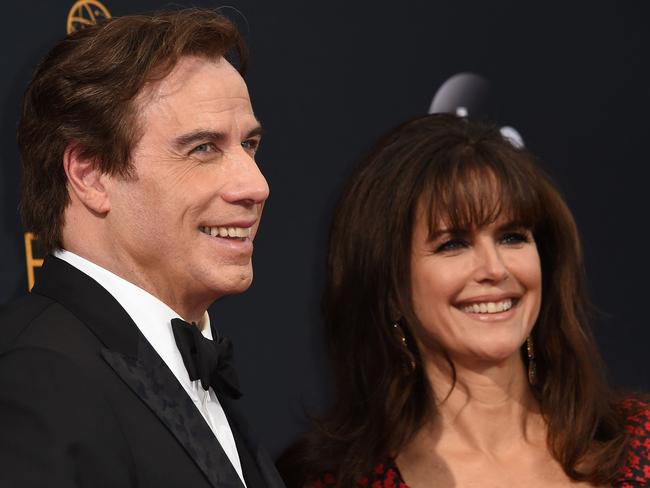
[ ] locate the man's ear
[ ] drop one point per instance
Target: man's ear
(85, 180)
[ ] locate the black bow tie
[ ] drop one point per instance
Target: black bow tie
(209, 361)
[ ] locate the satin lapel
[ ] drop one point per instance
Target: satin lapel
(136, 362)
(264, 462)
(150, 378)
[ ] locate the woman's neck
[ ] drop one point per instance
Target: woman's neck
(489, 408)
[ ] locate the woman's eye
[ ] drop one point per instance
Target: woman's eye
(514, 238)
(452, 245)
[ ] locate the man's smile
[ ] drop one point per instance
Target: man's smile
(228, 232)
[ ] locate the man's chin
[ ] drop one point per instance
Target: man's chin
(234, 284)
(242, 286)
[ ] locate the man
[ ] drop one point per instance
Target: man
(138, 144)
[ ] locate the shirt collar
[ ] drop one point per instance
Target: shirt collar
(151, 316)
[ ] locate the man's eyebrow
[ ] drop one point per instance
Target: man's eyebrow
(201, 135)
(197, 136)
(255, 131)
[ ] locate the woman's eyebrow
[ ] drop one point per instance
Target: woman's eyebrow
(513, 224)
(451, 231)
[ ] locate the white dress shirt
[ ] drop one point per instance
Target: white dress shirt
(153, 318)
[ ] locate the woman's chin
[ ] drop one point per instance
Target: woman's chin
(502, 356)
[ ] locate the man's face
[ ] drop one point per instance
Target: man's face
(183, 226)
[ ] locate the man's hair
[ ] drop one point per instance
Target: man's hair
(85, 93)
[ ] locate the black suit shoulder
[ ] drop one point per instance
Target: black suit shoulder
(18, 314)
(44, 323)
(54, 416)
(56, 422)
(40, 323)
(66, 418)
(52, 419)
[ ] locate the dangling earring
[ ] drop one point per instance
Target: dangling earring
(532, 369)
(399, 335)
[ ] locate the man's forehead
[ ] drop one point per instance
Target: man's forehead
(198, 77)
(198, 94)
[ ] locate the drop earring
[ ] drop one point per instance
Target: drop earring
(401, 337)
(532, 367)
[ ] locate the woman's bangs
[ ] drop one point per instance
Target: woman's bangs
(473, 195)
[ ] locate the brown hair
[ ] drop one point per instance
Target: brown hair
(84, 92)
(443, 161)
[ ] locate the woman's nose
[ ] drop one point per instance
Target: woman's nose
(490, 266)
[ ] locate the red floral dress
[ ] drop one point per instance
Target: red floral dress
(635, 474)
(384, 475)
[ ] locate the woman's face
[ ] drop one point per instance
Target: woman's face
(477, 292)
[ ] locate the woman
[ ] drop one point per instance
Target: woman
(456, 324)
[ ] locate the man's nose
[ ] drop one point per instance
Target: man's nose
(490, 266)
(247, 184)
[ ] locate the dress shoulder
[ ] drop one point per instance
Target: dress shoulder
(636, 472)
(383, 475)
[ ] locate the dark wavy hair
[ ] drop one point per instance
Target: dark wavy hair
(84, 92)
(468, 174)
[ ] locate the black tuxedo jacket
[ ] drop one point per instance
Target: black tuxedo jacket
(85, 401)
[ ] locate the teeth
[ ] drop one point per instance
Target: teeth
(230, 232)
(488, 307)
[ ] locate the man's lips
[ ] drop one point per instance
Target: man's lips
(237, 232)
(235, 239)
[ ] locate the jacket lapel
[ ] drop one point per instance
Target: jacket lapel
(149, 378)
(132, 357)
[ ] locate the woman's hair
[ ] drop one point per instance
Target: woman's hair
(467, 175)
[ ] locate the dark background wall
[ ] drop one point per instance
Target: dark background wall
(326, 79)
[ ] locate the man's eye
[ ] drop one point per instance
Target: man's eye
(205, 147)
(451, 245)
(514, 238)
(251, 145)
